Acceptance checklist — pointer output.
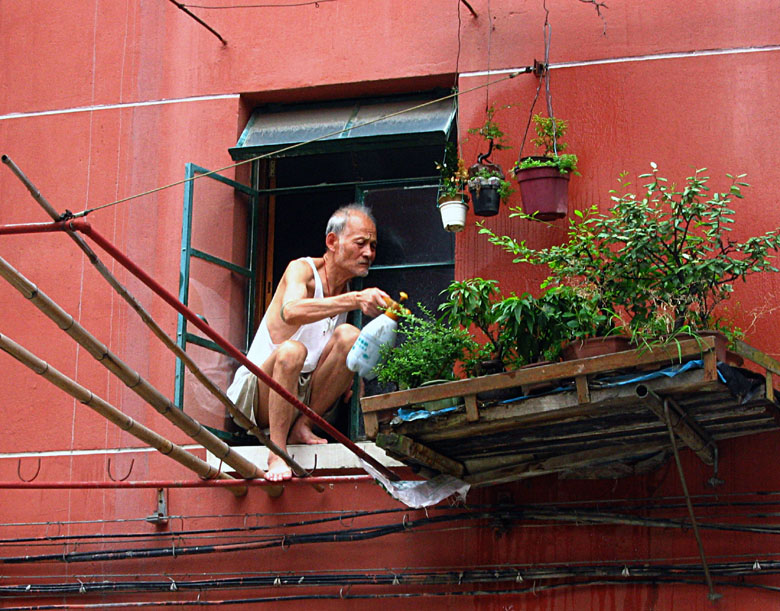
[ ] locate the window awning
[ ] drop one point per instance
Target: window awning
(346, 126)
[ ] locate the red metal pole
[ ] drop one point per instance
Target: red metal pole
(32, 228)
(200, 483)
(87, 229)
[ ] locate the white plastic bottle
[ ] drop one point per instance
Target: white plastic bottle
(364, 354)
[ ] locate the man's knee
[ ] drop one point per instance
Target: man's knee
(290, 356)
(345, 335)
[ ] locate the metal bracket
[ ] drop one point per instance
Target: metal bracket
(160, 516)
(715, 481)
(539, 69)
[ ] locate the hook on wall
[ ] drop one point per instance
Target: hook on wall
(112, 478)
(19, 471)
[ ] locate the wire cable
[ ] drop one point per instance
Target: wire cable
(298, 144)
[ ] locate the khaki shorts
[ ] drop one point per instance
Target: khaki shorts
(247, 400)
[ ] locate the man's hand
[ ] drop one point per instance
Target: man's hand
(372, 301)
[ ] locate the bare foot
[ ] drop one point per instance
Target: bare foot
(301, 433)
(277, 469)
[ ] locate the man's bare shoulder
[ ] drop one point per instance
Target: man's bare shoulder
(298, 270)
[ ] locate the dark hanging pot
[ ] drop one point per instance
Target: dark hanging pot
(484, 195)
(484, 191)
(544, 191)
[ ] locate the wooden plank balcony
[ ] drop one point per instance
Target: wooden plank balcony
(573, 418)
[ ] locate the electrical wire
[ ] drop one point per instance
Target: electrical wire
(666, 576)
(550, 513)
(501, 519)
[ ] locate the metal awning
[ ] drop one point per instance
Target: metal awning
(347, 126)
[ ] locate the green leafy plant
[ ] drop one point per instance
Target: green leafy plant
(471, 302)
(524, 329)
(491, 131)
(453, 173)
(665, 258)
(549, 138)
(429, 351)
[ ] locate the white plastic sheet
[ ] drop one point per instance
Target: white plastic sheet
(421, 493)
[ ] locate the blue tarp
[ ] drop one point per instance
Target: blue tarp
(407, 414)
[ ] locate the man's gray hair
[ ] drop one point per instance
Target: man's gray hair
(338, 220)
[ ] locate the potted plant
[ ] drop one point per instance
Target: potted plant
(486, 180)
(488, 188)
(544, 179)
(428, 352)
(664, 259)
(452, 201)
(472, 302)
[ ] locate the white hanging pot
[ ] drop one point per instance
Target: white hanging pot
(453, 214)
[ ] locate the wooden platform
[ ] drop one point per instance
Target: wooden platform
(587, 427)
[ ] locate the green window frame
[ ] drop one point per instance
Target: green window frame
(249, 271)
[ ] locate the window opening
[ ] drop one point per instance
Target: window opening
(391, 170)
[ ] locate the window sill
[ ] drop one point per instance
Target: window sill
(329, 456)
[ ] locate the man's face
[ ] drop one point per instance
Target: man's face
(355, 248)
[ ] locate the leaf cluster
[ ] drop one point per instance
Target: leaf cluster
(452, 171)
(491, 131)
(549, 134)
(524, 329)
(667, 256)
(429, 351)
(566, 163)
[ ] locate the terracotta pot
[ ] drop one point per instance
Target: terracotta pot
(595, 346)
(544, 191)
(721, 346)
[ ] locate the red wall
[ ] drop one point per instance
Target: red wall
(102, 100)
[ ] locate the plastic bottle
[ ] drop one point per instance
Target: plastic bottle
(364, 354)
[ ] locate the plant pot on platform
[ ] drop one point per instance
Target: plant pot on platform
(595, 346)
(453, 213)
(437, 404)
(544, 192)
(722, 353)
(484, 195)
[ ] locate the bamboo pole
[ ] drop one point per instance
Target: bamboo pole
(147, 319)
(124, 372)
(111, 413)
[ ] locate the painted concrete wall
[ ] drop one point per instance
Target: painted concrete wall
(103, 100)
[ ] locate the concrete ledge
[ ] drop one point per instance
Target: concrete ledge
(328, 456)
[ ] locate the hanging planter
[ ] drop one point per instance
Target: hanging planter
(544, 192)
(484, 194)
(452, 202)
(453, 212)
(544, 179)
(487, 187)
(486, 180)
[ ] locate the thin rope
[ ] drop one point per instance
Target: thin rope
(490, 36)
(543, 77)
(316, 3)
(457, 55)
(299, 144)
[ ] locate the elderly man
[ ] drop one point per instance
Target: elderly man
(302, 341)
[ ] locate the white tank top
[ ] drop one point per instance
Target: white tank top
(314, 336)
